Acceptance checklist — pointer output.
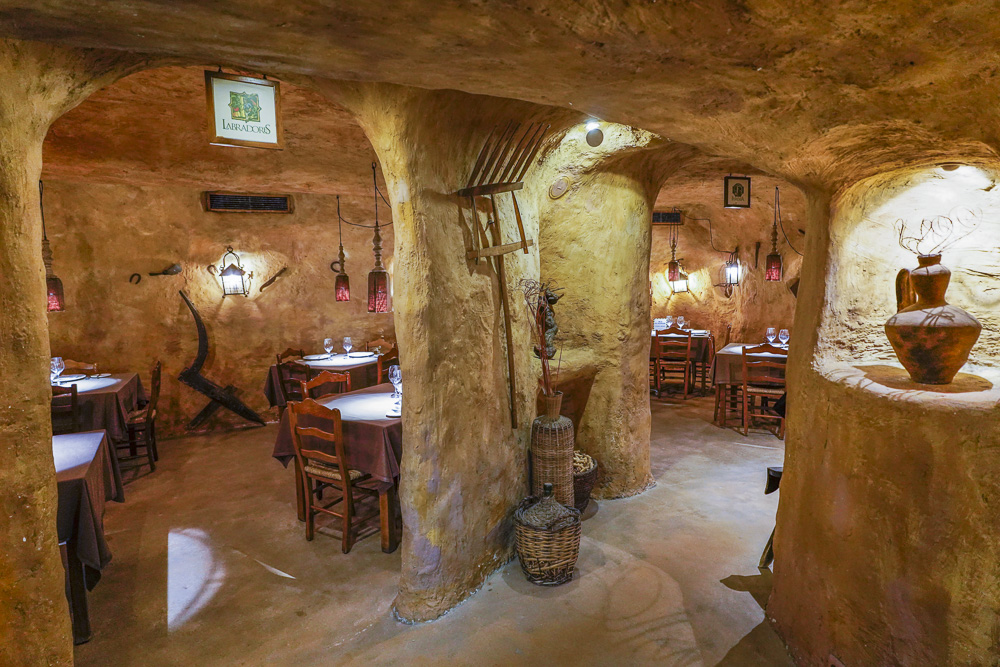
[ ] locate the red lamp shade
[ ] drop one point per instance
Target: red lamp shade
(378, 292)
(673, 270)
(54, 289)
(773, 270)
(342, 286)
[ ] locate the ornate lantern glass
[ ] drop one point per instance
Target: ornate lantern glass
(773, 267)
(234, 279)
(342, 287)
(679, 284)
(733, 272)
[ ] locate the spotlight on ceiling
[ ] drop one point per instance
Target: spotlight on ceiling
(594, 135)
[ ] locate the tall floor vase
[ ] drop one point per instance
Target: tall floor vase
(552, 452)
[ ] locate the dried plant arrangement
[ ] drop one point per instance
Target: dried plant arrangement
(935, 235)
(539, 297)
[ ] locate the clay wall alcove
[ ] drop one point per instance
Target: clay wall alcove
(887, 524)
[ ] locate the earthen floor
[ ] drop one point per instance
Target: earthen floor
(211, 567)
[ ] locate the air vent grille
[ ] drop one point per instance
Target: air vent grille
(230, 202)
(667, 218)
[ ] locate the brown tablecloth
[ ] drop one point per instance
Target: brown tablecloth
(363, 372)
(728, 367)
(701, 344)
(373, 443)
(82, 475)
(106, 402)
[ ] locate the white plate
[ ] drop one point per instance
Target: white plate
(360, 355)
(101, 375)
(71, 378)
(315, 357)
(396, 416)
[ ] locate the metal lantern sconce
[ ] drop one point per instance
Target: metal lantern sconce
(678, 279)
(342, 286)
(772, 267)
(235, 281)
(680, 284)
(378, 277)
(54, 295)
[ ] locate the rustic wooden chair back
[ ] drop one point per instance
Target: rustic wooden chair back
(328, 469)
(674, 357)
(79, 366)
(65, 402)
(764, 379)
(326, 377)
(154, 391)
(386, 359)
(729, 331)
(290, 374)
(380, 343)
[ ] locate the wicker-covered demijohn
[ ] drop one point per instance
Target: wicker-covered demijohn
(584, 479)
(547, 538)
(552, 452)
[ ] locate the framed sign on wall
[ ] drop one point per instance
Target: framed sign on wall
(737, 193)
(243, 111)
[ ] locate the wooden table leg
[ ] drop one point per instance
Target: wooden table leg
(77, 591)
(300, 501)
(387, 519)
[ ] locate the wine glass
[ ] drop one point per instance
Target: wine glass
(348, 345)
(396, 378)
(328, 346)
(670, 320)
(771, 333)
(783, 336)
(56, 367)
(680, 321)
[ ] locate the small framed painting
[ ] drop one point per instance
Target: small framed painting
(737, 192)
(243, 111)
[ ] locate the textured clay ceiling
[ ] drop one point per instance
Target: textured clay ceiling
(821, 92)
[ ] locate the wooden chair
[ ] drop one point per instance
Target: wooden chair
(727, 396)
(763, 381)
(323, 469)
(79, 366)
(326, 377)
(386, 359)
(673, 358)
(141, 423)
(654, 375)
(290, 374)
(380, 343)
(65, 402)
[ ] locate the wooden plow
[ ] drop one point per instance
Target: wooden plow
(502, 163)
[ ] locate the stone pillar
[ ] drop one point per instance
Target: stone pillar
(39, 84)
(464, 466)
(595, 244)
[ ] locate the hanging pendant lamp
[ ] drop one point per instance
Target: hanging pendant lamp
(342, 285)
(378, 278)
(772, 271)
(56, 301)
(678, 279)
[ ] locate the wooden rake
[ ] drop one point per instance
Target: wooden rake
(502, 163)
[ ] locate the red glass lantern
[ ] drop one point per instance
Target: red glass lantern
(342, 285)
(378, 291)
(55, 300)
(772, 269)
(673, 270)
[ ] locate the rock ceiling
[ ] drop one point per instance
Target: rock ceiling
(822, 93)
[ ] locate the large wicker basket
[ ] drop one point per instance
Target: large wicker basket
(584, 479)
(547, 554)
(552, 452)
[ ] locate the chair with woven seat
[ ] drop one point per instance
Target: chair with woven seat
(65, 410)
(343, 380)
(385, 360)
(763, 385)
(325, 469)
(673, 358)
(141, 423)
(379, 344)
(290, 374)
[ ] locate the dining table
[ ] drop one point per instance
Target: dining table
(106, 400)
(85, 480)
(373, 440)
(362, 366)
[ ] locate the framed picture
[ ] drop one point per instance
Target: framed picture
(243, 111)
(737, 193)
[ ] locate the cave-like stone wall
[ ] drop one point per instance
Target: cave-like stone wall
(101, 233)
(755, 304)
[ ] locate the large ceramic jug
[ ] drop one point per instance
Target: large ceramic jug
(931, 338)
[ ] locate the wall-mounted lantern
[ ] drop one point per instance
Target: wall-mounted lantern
(234, 279)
